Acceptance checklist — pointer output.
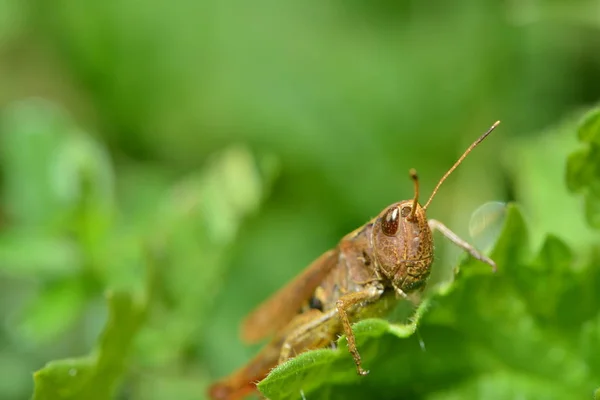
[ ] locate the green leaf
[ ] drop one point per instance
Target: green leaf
(51, 312)
(32, 131)
(34, 255)
(56, 175)
(537, 167)
(502, 385)
(94, 377)
(505, 332)
(199, 219)
(589, 128)
(312, 369)
(592, 202)
(583, 167)
(589, 342)
(82, 178)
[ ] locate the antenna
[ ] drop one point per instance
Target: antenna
(415, 178)
(457, 163)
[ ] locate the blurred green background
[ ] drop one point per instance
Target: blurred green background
(211, 149)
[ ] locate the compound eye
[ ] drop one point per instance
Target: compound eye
(390, 222)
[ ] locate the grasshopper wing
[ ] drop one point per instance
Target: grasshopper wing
(275, 312)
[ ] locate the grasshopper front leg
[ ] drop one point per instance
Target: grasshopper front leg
(345, 303)
(323, 327)
(454, 238)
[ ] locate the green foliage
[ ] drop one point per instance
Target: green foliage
(151, 132)
(95, 376)
(583, 172)
(58, 194)
(480, 335)
(485, 335)
(74, 240)
(314, 369)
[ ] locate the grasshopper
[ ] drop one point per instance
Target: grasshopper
(371, 269)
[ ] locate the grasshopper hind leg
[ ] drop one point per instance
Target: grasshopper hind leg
(243, 381)
(313, 329)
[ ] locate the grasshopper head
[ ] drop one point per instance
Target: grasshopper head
(403, 245)
(401, 240)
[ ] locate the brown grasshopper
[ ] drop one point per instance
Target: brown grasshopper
(383, 261)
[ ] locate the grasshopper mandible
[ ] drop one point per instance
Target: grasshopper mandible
(383, 261)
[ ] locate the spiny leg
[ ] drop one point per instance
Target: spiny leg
(310, 329)
(346, 302)
(454, 238)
